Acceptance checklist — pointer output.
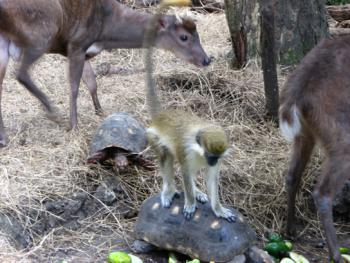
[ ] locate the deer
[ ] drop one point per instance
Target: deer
(315, 109)
(79, 30)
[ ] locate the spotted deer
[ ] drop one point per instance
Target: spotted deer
(79, 30)
(315, 108)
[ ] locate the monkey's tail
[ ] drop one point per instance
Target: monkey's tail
(153, 102)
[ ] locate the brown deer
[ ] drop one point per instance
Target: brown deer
(315, 107)
(79, 30)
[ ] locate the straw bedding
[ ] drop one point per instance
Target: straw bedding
(44, 161)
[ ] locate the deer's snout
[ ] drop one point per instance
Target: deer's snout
(206, 61)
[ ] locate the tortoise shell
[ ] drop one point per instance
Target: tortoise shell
(119, 131)
(204, 237)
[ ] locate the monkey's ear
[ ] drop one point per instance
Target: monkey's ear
(165, 22)
(199, 137)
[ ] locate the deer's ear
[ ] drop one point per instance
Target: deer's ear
(165, 22)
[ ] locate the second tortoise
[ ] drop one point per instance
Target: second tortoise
(121, 139)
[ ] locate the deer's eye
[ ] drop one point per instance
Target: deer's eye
(184, 38)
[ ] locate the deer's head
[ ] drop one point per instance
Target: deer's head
(180, 36)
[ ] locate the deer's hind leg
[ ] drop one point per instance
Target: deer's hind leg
(4, 58)
(29, 56)
(335, 173)
(302, 150)
(89, 79)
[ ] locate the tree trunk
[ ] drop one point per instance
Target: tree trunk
(268, 57)
(300, 24)
(234, 16)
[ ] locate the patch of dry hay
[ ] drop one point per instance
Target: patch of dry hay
(44, 161)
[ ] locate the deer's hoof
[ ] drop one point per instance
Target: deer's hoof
(3, 142)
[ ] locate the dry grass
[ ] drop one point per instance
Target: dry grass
(44, 161)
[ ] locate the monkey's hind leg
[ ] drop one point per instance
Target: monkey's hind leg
(167, 170)
(213, 187)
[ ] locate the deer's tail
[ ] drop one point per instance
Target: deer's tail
(291, 105)
(290, 122)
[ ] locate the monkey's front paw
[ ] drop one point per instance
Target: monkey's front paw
(189, 211)
(226, 214)
(167, 198)
(201, 197)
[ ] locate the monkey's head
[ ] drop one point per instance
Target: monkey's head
(214, 142)
(180, 36)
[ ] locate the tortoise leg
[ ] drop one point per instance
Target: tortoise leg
(98, 157)
(145, 163)
(120, 161)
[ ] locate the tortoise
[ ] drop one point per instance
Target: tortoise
(121, 139)
(204, 237)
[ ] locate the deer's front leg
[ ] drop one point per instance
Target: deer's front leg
(76, 65)
(4, 58)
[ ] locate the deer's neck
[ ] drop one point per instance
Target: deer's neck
(124, 28)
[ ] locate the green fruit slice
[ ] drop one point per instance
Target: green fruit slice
(274, 237)
(172, 258)
(118, 257)
(346, 258)
(135, 259)
(287, 260)
(277, 249)
(344, 250)
(289, 245)
(298, 258)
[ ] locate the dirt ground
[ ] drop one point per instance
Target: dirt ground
(44, 164)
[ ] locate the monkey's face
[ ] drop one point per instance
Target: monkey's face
(215, 144)
(181, 38)
(211, 159)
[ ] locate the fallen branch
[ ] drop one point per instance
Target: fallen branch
(338, 31)
(339, 12)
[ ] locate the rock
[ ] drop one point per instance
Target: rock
(14, 231)
(205, 237)
(108, 191)
(238, 259)
(257, 255)
(66, 212)
(140, 246)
